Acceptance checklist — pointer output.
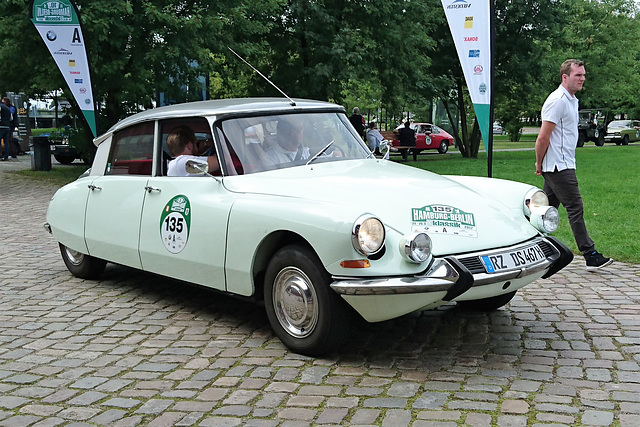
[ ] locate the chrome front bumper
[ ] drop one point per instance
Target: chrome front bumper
(457, 274)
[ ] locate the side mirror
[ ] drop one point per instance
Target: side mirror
(386, 148)
(197, 166)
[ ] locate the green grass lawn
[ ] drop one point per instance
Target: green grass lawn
(58, 175)
(608, 182)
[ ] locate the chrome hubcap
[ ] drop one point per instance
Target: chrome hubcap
(74, 257)
(295, 302)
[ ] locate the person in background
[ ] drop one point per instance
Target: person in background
(556, 156)
(407, 138)
(357, 121)
(374, 138)
(185, 146)
(5, 129)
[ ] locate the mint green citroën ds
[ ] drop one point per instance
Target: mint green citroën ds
(301, 215)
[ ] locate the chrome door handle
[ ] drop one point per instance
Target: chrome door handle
(150, 189)
(94, 187)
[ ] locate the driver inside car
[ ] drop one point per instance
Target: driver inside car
(288, 146)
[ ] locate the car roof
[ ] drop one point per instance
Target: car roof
(223, 107)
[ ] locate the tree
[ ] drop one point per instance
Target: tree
(604, 34)
(137, 48)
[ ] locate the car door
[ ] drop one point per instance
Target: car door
(429, 140)
(420, 137)
(184, 220)
(114, 205)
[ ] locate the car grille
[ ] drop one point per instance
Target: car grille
(474, 265)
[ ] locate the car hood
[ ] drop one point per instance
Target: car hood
(457, 218)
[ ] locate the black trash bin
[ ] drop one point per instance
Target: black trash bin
(41, 157)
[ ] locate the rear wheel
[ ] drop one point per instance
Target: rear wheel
(65, 160)
(304, 312)
(81, 265)
(581, 139)
(443, 148)
(487, 304)
(625, 140)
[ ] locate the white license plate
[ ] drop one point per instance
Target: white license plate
(512, 259)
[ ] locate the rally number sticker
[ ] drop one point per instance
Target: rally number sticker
(174, 224)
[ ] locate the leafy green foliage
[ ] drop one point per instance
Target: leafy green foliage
(387, 57)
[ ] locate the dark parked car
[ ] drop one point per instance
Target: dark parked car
(592, 126)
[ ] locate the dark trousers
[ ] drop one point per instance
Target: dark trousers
(405, 153)
(5, 137)
(562, 187)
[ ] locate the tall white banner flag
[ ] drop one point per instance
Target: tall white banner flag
(469, 22)
(58, 23)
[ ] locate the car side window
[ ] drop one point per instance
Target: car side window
(204, 146)
(132, 151)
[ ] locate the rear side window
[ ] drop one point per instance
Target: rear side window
(132, 151)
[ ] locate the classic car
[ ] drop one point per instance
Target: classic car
(623, 132)
(592, 126)
(498, 129)
(309, 237)
(428, 137)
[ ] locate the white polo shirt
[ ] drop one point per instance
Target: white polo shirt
(177, 166)
(561, 108)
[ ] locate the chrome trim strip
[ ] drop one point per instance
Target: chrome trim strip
(439, 278)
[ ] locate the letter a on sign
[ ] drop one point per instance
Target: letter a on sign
(58, 23)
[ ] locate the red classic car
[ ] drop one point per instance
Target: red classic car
(428, 137)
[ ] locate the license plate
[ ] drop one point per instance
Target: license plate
(512, 259)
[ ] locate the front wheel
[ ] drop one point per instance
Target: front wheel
(307, 316)
(81, 265)
(600, 140)
(443, 148)
(625, 140)
(487, 304)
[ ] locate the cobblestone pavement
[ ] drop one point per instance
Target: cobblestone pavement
(138, 349)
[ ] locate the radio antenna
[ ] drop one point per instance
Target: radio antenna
(291, 101)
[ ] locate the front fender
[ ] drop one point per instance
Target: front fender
(326, 228)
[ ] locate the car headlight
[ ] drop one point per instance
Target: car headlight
(534, 198)
(416, 247)
(545, 218)
(368, 235)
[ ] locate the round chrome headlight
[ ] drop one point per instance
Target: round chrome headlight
(368, 235)
(416, 247)
(534, 198)
(545, 218)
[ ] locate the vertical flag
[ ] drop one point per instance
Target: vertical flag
(58, 23)
(470, 22)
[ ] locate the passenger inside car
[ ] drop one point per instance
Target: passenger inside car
(184, 146)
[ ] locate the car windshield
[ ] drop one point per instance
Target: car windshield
(260, 143)
(620, 124)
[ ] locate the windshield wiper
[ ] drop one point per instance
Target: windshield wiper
(320, 153)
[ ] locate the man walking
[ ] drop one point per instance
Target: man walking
(556, 160)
